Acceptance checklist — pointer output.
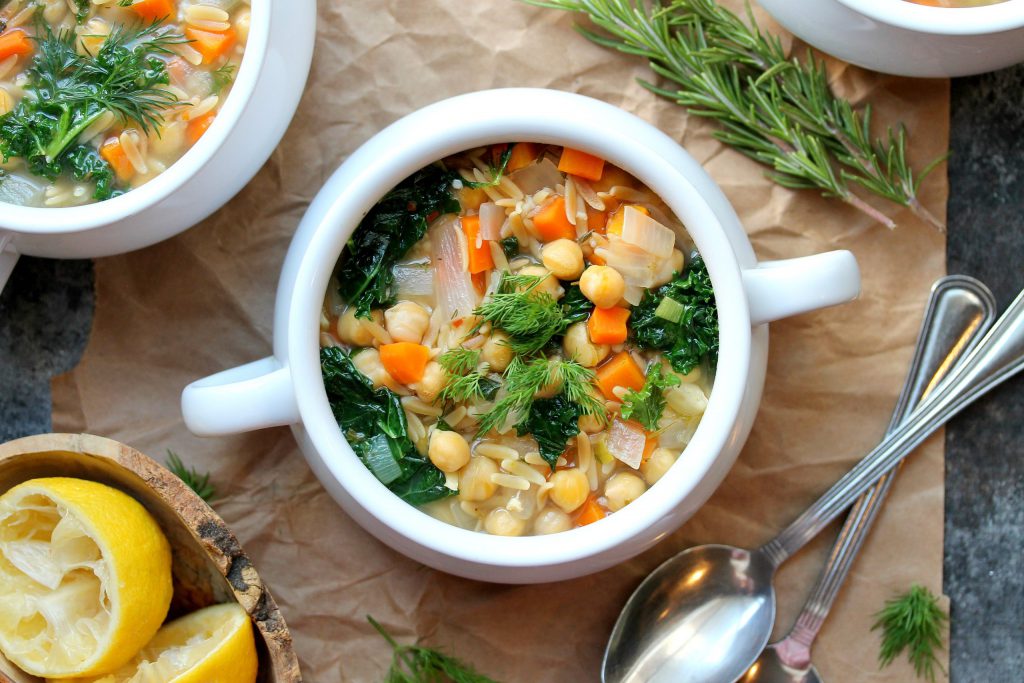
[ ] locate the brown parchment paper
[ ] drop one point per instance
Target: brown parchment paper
(202, 302)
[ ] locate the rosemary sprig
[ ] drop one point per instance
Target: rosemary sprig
(913, 622)
(415, 664)
(200, 483)
(775, 109)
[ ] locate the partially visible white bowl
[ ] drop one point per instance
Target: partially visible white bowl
(263, 99)
(907, 39)
(288, 389)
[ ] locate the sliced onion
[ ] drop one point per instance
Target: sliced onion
(537, 176)
(677, 435)
(492, 217)
(643, 231)
(413, 279)
(454, 287)
(626, 442)
(21, 191)
(636, 266)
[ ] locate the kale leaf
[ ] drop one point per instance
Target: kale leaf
(575, 307)
(694, 337)
(510, 245)
(374, 424)
(552, 422)
(647, 405)
(388, 232)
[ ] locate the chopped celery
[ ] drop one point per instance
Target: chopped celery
(601, 452)
(670, 309)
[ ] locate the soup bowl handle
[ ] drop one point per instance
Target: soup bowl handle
(252, 396)
(779, 289)
(8, 257)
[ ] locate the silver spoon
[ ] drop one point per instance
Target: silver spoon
(704, 615)
(959, 312)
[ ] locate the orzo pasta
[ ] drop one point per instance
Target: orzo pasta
(520, 339)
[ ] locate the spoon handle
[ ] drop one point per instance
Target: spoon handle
(960, 310)
(998, 356)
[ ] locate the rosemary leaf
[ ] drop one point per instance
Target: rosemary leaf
(777, 110)
(200, 483)
(913, 622)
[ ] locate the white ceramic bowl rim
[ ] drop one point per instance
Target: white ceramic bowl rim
(381, 168)
(1005, 16)
(96, 215)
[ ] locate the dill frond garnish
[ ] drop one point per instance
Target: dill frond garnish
(200, 483)
(913, 622)
(415, 664)
(530, 317)
(777, 110)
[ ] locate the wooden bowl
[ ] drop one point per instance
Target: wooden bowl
(210, 566)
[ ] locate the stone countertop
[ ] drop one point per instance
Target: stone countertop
(47, 307)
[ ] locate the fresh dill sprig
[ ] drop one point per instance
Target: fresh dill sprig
(460, 360)
(467, 376)
(913, 622)
(222, 78)
(778, 110)
(200, 483)
(497, 171)
(523, 379)
(530, 317)
(415, 664)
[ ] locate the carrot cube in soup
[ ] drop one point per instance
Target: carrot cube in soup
(480, 258)
(608, 325)
(590, 512)
(154, 10)
(405, 361)
(15, 42)
(581, 164)
(523, 154)
(198, 127)
(211, 44)
(552, 223)
(620, 371)
(114, 153)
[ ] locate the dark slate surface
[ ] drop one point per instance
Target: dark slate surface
(46, 311)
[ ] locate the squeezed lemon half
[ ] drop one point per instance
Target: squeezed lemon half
(85, 577)
(213, 645)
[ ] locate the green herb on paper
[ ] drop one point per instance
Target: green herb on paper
(200, 483)
(69, 92)
(777, 110)
(415, 664)
(647, 405)
(680, 319)
(374, 423)
(387, 233)
(913, 622)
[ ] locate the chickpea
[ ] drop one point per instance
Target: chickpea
(54, 10)
(433, 381)
(687, 399)
(564, 258)
(171, 139)
(570, 489)
(622, 489)
(657, 465)
(407, 322)
(678, 261)
(603, 285)
(475, 479)
(551, 521)
(501, 522)
(592, 424)
(356, 331)
(367, 361)
(548, 285)
(496, 352)
(577, 346)
(449, 451)
(242, 23)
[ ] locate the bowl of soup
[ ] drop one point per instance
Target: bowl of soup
(519, 336)
(123, 123)
(926, 38)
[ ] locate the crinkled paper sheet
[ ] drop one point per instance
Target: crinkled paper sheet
(203, 302)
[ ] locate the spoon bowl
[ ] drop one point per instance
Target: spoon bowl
(703, 615)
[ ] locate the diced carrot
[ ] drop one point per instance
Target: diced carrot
(15, 42)
(479, 282)
(199, 126)
(620, 371)
(552, 224)
(210, 44)
(608, 325)
(114, 153)
(405, 361)
(580, 163)
(590, 512)
(523, 154)
(152, 10)
(596, 220)
(618, 218)
(480, 259)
